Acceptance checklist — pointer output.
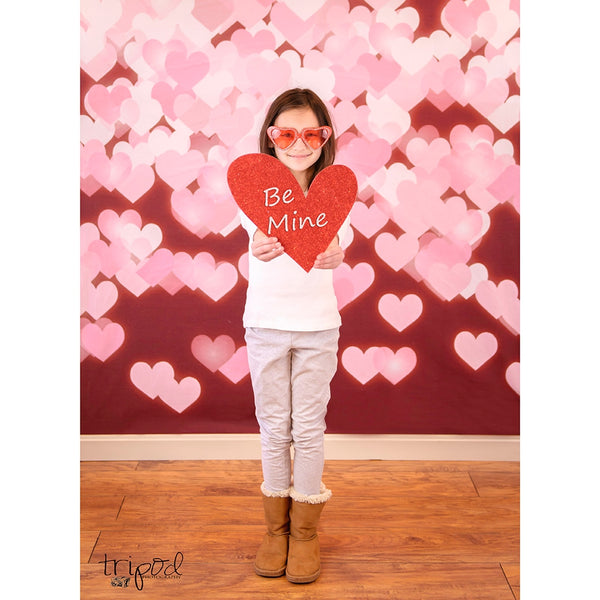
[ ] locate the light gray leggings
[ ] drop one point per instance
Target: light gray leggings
(291, 372)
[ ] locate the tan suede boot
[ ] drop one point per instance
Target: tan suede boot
(271, 557)
(304, 554)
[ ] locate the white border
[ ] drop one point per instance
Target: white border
(337, 447)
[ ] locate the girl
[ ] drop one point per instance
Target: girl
(292, 329)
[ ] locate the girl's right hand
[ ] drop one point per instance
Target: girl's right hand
(265, 248)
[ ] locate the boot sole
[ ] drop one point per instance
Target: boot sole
(264, 573)
(303, 578)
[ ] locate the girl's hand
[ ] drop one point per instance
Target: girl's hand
(332, 257)
(265, 248)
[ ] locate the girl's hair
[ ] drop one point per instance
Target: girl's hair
(300, 98)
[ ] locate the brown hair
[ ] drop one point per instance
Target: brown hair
(300, 98)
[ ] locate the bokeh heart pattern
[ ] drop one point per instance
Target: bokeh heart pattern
(177, 91)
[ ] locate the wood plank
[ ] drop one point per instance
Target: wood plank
(218, 543)
(496, 483)
(192, 512)
(351, 580)
(87, 541)
(229, 482)
(512, 571)
(99, 511)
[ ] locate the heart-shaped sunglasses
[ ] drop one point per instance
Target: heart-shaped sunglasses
(314, 137)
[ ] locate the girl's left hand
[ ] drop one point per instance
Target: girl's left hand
(332, 257)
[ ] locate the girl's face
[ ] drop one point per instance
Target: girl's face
(299, 157)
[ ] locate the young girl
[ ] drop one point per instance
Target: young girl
(292, 329)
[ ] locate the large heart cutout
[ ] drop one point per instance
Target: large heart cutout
(272, 199)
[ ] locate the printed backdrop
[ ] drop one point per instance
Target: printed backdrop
(425, 100)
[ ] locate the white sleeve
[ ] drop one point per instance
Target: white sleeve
(345, 233)
(248, 225)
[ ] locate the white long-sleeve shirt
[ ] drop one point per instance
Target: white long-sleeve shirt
(282, 295)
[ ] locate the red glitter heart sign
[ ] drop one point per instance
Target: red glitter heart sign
(272, 199)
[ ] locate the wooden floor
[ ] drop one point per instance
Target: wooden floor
(403, 530)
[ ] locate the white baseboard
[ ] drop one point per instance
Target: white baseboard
(337, 447)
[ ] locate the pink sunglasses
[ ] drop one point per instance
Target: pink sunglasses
(314, 137)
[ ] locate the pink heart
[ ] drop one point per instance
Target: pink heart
(383, 37)
(141, 242)
(192, 210)
(155, 53)
(178, 170)
(215, 279)
(113, 257)
(471, 228)
(360, 365)
(367, 219)
(479, 273)
(214, 15)
(302, 35)
(497, 300)
(248, 44)
(193, 112)
(350, 282)
(137, 183)
(440, 250)
(171, 284)
(180, 395)
(444, 216)
(400, 313)
(188, 269)
(151, 380)
(363, 155)
(159, 381)
(213, 354)
(96, 301)
(349, 83)
(475, 351)
(250, 12)
(89, 186)
(408, 213)
(111, 224)
(395, 366)
(187, 71)
(90, 265)
(507, 115)
(506, 187)
(396, 252)
(413, 56)
(425, 155)
(231, 125)
(102, 63)
(267, 76)
(460, 18)
(109, 171)
(102, 342)
(513, 376)
(105, 104)
(491, 97)
(464, 87)
(129, 279)
(156, 267)
(88, 233)
(382, 71)
(236, 368)
(447, 281)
